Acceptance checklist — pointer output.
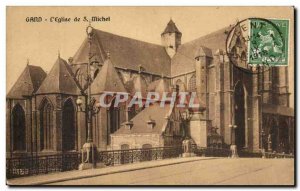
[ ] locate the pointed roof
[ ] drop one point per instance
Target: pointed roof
(28, 82)
(171, 28)
(155, 113)
(159, 86)
(60, 80)
(137, 84)
(184, 59)
(107, 80)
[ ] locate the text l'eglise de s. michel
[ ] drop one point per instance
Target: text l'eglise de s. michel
(67, 19)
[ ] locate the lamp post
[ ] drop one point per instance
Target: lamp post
(185, 116)
(233, 147)
(88, 149)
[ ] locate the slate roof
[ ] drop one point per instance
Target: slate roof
(159, 86)
(125, 53)
(184, 59)
(60, 80)
(140, 126)
(171, 28)
(28, 82)
(137, 84)
(107, 80)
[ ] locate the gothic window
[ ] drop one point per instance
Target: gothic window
(113, 116)
(238, 42)
(68, 126)
(46, 126)
(180, 85)
(234, 52)
(80, 77)
(147, 146)
(192, 84)
(243, 56)
(124, 147)
(18, 128)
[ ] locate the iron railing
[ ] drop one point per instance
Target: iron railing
(211, 151)
(277, 155)
(34, 165)
(118, 157)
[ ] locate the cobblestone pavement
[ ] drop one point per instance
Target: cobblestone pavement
(220, 171)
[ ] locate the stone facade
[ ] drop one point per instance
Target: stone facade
(231, 97)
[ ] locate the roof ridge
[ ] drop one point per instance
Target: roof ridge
(207, 35)
(151, 43)
(30, 76)
(69, 70)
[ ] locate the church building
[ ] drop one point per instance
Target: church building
(46, 112)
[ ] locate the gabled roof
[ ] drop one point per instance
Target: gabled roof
(159, 86)
(107, 80)
(155, 113)
(184, 59)
(171, 28)
(126, 53)
(28, 82)
(60, 80)
(137, 84)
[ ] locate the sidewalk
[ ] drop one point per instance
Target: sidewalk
(76, 174)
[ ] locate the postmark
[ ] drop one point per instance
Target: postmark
(256, 44)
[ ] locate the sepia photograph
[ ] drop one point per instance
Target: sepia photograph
(150, 96)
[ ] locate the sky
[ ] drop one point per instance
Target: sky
(40, 42)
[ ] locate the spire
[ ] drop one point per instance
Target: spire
(60, 80)
(171, 28)
(171, 38)
(58, 54)
(107, 80)
(27, 61)
(28, 82)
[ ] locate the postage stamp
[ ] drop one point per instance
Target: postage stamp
(268, 43)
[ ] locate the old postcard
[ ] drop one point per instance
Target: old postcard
(150, 96)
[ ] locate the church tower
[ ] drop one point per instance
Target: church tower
(171, 38)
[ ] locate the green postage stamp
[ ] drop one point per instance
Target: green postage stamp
(268, 42)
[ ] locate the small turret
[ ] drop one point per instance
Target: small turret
(171, 38)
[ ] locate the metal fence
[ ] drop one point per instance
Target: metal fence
(117, 157)
(34, 165)
(277, 155)
(211, 151)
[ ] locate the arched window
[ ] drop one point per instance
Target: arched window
(124, 147)
(146, 152)
(243, 56)
(46, 126)
(113, 119)
(80, 77)
(234, 52)
(18, 128)
(147, 146)
(238, 42)
(68, 126)
(192, 84)
(125, 157)
(180, 85)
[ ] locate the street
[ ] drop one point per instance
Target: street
(219, 171)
